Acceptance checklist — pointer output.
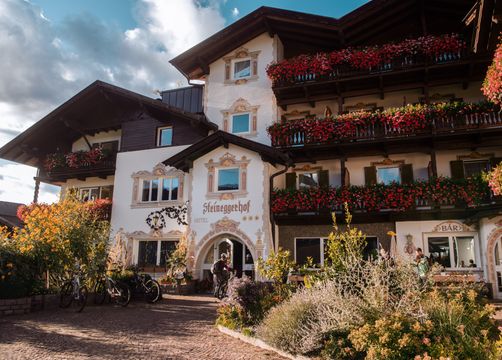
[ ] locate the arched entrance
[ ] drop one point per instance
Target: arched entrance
(494, 261)
(240, 256)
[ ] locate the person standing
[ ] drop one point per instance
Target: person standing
(422, 264)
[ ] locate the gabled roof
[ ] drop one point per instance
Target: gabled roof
(98, 107)
(8, 214)
(184, 159)
(375, 21)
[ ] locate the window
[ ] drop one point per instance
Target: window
(147, 253)
(165, 136)
(228, 179)
(473, 168)
(309, 247)
(307, 180)
(388, 175)
(108, 147)
(155, 252)
(161, 189)
(453, 251)
(240, 123)
(370, 251)
(242, 69)
(98, 192)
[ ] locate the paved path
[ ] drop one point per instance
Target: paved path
(177, 328)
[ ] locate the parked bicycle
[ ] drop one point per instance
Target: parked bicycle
(73, 292)
(144, 284)
(115, 290)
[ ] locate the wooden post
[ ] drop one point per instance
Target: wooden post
(434, 163)
(343, 171)
(37, 188)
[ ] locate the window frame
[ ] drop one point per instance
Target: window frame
(453, 255)
(248, 113)
(398, 167)
(160, 179)
(471, 161)
(298, 173)
(159, 135)
(90, 188)
(322, 243)
(239, 186)
(238, 60)
(158, 250)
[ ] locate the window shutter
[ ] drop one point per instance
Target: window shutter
(227, 70)
(370, 175)
(323, 178)
(457, 169)
(291, 181)
(494, 161)
(406, 173)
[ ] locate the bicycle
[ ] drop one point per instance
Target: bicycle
(115, 290)
(73, 292)
(222, 284)
(144, 284)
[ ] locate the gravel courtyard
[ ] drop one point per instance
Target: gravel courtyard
(179, 327)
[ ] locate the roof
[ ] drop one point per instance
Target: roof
(98, 107)
(8, 214)
(184, 159)
(187, 98)
(373, 22)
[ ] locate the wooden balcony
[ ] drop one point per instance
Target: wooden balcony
(102, 169)
(378, 131)
(406, 73)
(397, 202)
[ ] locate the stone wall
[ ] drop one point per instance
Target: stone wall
(288, 233)
(28, 304)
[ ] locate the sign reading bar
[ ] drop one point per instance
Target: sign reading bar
(215, 207)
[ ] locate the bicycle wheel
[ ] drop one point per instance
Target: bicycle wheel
(123, 293)
(66, 295)
(153, 292)
(82, 298)
(100, 292)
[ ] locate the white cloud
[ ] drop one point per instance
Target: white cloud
(45, 63)
(235, 12)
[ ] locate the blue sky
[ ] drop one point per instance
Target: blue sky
(120, 11)
(51, 49)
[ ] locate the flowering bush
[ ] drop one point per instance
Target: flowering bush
(494, 178)
(408, 119)
(246, 304)
(307, 67)
(74, 160)
(397, 197)
(492, 85)
(56, 234)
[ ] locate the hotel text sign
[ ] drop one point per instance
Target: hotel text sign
(216, 207)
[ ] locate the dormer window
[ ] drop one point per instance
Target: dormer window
(165, 136)
(242, 69)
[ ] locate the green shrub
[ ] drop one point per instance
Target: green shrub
(17, 274)
(277, 266)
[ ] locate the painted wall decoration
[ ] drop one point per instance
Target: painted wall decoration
(156, 220)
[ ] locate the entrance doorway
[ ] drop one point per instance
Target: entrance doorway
(238, 254)
(498, 268)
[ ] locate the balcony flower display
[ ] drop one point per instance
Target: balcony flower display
(74, 160)
(492, 86)
(404, 120)
(307, 67)
(470, 192)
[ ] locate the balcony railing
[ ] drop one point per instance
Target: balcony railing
(421, 195)
(350, 62)
(396, 123)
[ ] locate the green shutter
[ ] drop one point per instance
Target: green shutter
(291, 181)
(323, 178)
(457, 169)
(494, 161)
(370, 175)
(406, 173)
